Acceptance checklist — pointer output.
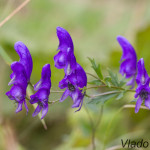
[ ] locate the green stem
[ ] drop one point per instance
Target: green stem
(94, 127)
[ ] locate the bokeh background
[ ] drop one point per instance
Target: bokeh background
(93, 25)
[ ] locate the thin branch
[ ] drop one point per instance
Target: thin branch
(106, 93)
(14, 12)
(99, 118)
(133, 106)
(93, 76)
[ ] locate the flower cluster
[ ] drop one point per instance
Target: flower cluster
(75, 76)
(20, 78)
(43, 91)
(136, 70)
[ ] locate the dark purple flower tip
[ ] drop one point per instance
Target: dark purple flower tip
(43, 91)
(65, 40)
(128, 65)
(142, 76)
(25, 57)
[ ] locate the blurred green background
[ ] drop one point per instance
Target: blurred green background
(93, 25)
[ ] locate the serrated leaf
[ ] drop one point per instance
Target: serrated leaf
(108, 81)
(95, 82)
(122, 82)
(114, 78)
(96, 68)
(102, 99)
(120, 95)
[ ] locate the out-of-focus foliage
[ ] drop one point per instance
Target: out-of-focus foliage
(93, 25)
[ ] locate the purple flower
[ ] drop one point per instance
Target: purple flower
(65, 58)
(43, 91)
(20, 76)
(73, 83)
(25, 58)
(143, 89)
(128, 60)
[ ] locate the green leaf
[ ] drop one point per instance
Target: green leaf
(120, 95)
(96, 68)
(95, 82)
(102, 99)
(5, 56)
(108, 81)
(114, 78)
(122, 82)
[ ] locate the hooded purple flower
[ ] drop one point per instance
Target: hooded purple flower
(128, 60)
(73, 83)
(143, 89)
(43, 91)
(20, 76)
(65, 58)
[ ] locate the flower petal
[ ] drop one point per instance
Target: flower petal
(128, 67)
(25, 57)
(142, 76)
(127, 48)
(70, 62)
(65, 40)
(19, 75)
(65, 95)
(131, 82)
(138, 104)
(78, 77)
(16, 93)
(60, 60)
(45, 81)
(147, 102)
(19, 108)
(37, 110)
(44, 111)
(25, 104)
(63, 83)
